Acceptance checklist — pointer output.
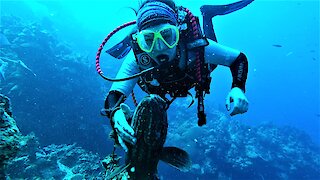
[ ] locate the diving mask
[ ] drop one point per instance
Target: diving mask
(169, 35)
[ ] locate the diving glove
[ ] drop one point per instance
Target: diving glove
(240, 102)
(124, 131)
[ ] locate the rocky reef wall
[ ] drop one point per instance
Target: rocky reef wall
(11, 139)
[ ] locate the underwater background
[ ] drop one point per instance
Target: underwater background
(47, 65)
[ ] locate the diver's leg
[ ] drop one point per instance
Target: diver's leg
(150, 125)
(209, 11)
(121, 49)
(215, 10)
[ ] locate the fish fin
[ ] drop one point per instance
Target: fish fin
(209, 11)
(177, 158)
(117, 171)
(192, 99)
(121, 49)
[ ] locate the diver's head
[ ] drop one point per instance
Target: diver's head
(158, 32)
(155, 12)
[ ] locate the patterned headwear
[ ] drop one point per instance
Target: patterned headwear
(154, 13)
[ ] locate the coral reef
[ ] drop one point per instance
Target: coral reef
(223, 149)
(21, 156)
(33, 45)
(228, 149)
(55, 161)
(48, 82)
(11, 138)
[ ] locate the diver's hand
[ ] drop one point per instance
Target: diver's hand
(123, 129)
(240, 101)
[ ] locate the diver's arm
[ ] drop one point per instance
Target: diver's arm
(237, 61)
(115, 110)
(112, 103)
(218, 54)
(119, 115)
(128, 68)
(239, 70)
(120, 90)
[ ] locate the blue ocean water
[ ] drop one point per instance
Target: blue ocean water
(280, 39)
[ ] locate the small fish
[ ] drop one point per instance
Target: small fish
(277, 45)
(21, 63)
(25, 45)
(4, 41)
(150, 124)
(289, 53)
(14, 88)
(29, 45)
(3, 67)
(26, 67)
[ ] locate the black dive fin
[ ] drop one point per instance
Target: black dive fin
(177, 158)
(121, 49)
(209, 11)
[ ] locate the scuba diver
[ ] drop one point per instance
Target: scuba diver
(170, 55)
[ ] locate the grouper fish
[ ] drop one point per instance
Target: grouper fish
(150, 124)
